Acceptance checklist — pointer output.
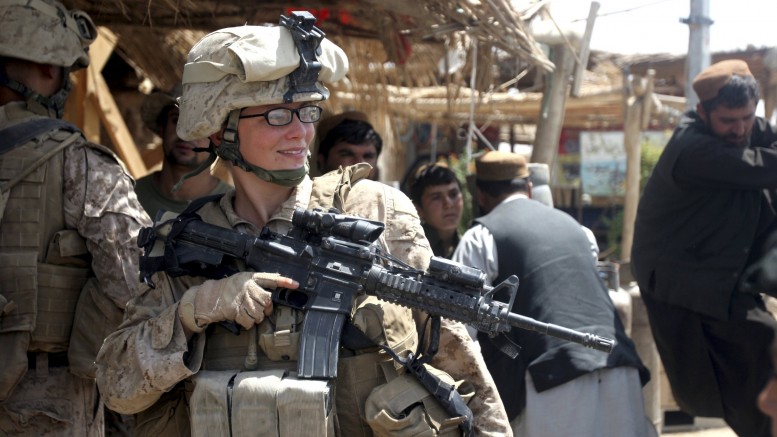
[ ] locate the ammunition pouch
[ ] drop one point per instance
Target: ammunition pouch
(38, 313)
(279, 339)
(268, 403)
(168, 417)
(403, 407)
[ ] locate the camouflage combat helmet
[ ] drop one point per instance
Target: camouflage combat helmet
(46, 32)
(240, 67)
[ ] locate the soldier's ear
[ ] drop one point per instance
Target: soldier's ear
(215, 139)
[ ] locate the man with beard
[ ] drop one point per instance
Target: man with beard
(157, 191)
(701, 222)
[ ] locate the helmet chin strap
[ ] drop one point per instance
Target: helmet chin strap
(229, 150)
(53, 106)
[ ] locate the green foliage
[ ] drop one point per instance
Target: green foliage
(649, 155)
(459, 167)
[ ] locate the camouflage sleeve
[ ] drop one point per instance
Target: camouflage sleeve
(457, 356)
(404, 238)
(100, 203)
(149, 353)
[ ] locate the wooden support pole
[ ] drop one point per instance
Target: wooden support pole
(115, 127)
(647, 99)
(585, 49)
(92, 103)
(634, 119)
(551, 117)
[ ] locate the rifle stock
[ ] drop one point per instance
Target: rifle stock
(333, 258)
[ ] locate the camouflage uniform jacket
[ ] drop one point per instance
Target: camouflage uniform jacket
(152, 337)
(97, 201)
(100, 203)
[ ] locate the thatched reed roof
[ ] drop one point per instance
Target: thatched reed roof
(411, 44)
(405, 31)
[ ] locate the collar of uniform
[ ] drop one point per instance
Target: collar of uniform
(15, 111)
(281, 219)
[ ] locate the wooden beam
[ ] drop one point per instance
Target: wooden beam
(551, 117)
(585, 50)
(74, 107)
(114, 124)
(102, 48)
(602, 109)
(638, 102)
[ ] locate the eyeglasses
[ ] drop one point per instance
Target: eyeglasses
(283, 116)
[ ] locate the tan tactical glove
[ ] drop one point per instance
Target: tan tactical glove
(241, 298)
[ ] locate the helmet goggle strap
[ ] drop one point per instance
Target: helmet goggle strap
(230, 150)
(53, 106)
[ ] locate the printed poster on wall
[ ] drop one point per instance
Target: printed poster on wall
(603, 160)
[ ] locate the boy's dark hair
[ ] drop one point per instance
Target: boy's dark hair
(738, 92)
(353, 132)
(430, 174)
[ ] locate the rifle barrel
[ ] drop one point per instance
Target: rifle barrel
(588, 340)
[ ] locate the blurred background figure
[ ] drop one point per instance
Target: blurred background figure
(155, 191)
(437, 196)
(346, 139)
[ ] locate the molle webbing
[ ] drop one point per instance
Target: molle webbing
(225, 351)
(34, 211)
(44, 294)
(58, 291)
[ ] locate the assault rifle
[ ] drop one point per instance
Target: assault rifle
(333, 258)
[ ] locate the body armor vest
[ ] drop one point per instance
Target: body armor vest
(273, 345)
(44, 263)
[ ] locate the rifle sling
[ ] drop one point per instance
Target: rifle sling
(352, 337)
(445, 393)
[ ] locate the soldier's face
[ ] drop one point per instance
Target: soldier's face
(274, 147)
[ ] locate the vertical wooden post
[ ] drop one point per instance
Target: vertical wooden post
(553, 106)
(91, 103)
(635, 120)
(585, 49)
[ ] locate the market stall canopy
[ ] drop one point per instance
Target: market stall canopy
(407, 31)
